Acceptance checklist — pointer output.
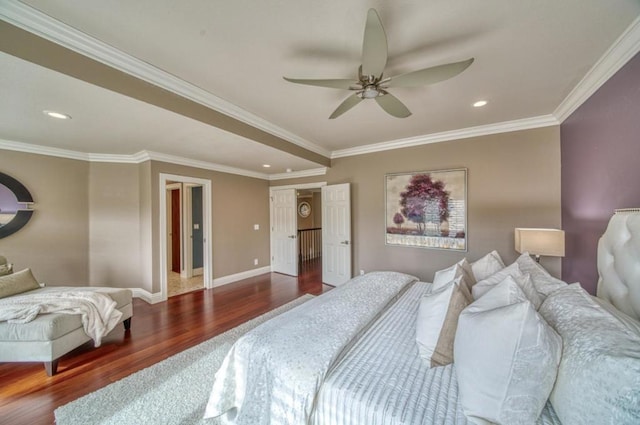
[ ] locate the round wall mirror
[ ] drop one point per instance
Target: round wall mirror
(15, 204)
(304, 209)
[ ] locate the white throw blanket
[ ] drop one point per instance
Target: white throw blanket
(272, 374)
(98, 311)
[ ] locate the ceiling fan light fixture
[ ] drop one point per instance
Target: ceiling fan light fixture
(370, 92)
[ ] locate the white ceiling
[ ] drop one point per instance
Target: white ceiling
(529, 56)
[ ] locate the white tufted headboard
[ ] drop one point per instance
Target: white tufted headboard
(619, 262)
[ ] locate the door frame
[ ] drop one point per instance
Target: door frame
(316, 185)
(206, 223)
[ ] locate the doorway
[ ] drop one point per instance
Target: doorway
(288, 210)
(309, 236)
(185, 238)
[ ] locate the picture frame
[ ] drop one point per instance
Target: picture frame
(427, 209)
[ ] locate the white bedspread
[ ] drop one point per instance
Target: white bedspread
(272, 374)
(98, 311)
(383, 380)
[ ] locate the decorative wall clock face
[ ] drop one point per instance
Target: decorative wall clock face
(304, 209)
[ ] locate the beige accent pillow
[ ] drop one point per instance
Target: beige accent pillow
(6, 269)
(437, 321)
(17, 283)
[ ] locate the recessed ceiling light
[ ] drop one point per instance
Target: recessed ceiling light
(480, 103)
(266, 165)
(58, 115)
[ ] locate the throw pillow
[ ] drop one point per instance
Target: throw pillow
(486, 284)
(6, 269)
(506, 361)
(461, 268)
(542, 280)
(17, 283)
(487, 265)
(504, 293)
(437, 322)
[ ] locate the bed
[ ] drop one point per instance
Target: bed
(361, 353)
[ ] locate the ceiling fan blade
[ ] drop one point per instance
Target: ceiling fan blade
(348, 103)
(393, 106)
(428, 76)
(334, 84)
(374, 47)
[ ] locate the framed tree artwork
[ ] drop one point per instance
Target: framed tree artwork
(427, 209)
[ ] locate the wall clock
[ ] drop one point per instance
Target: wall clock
(304, 209)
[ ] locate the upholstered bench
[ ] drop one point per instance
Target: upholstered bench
(50, 336)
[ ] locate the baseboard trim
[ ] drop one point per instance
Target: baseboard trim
(147, 296)
(156, 297)
(239, 276)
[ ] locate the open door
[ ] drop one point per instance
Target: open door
(336, 234)
(176, 238)
(284, 230)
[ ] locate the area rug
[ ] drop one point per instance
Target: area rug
(174, 391)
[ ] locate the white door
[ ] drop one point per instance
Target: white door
(336, 234)
(284, 230)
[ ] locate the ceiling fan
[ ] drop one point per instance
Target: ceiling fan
(372, 84)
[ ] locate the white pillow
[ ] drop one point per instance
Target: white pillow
(437, 322)
(461, 268)
(482, 286)
(504, 293)
(542, 280)
(526, 285)
(487, 265)
(526, 288)
(506, 360)
(599, 376)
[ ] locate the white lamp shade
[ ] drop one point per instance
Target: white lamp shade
(540, 241)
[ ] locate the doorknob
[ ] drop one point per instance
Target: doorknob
(345, 242)
(292, 237)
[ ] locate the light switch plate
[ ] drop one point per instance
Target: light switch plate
(256, 227)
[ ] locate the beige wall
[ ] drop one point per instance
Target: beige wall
(238, 203)
(98, 223)
(81, 207)
(114, 225)
(55, 242)
(513, 181)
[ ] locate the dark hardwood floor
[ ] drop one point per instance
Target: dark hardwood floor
(29, 396)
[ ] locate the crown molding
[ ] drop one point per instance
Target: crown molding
(136, 158)
(36, 22)
(465, 133)
(620, 52)
(155, 156)
(299, 174)
(10, 145)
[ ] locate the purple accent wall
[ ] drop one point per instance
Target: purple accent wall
(600, 151)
